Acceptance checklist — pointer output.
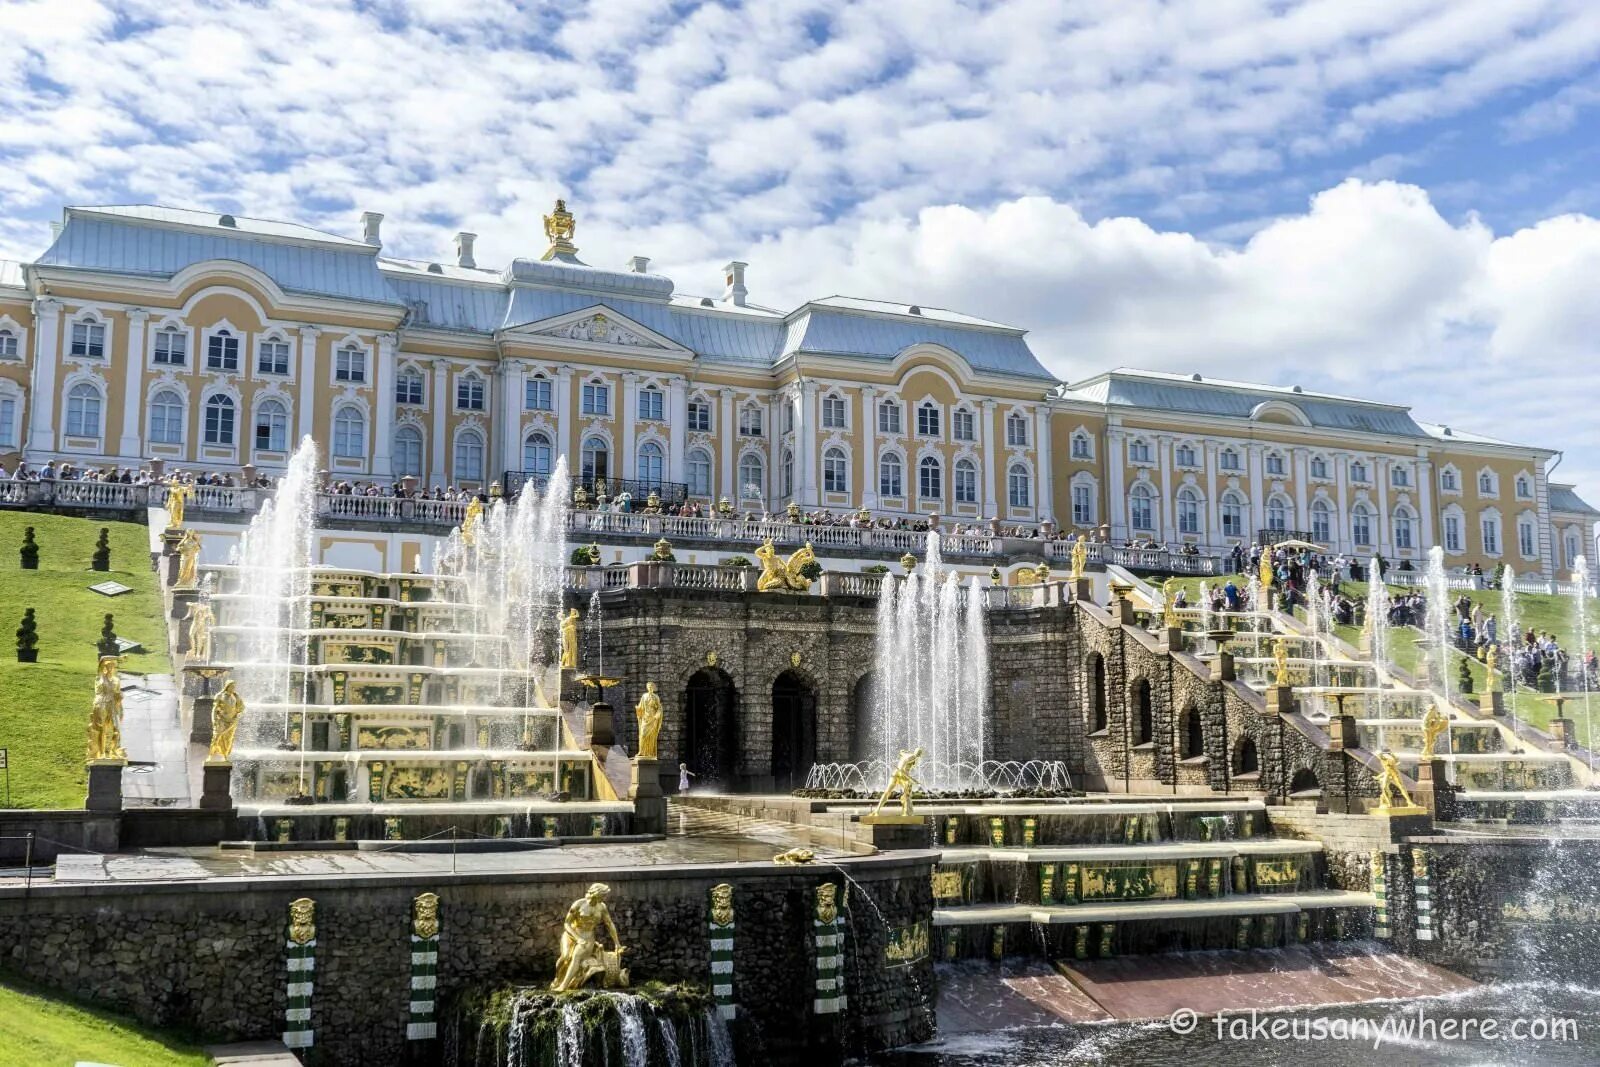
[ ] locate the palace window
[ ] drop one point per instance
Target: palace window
(1524, 489)
(171, 347)
(651, 405)
(1275, 463)
(1140, 509)
(219, 420)
(469, 393)
(8, 421)
(1403, 529)
(963, 427)
(1278, 514)
(788, 417)
(166, 418)
(833, 412)
(1399, 477)
(1016, 431)
(1487, 485)
(752, 477)
(787, 467)
(1448, 479)
(1080, 446)
(273, 356)
(222, 352)
(595, 460)
(889, 477)
(350, 365)
(699, 416)
(1525, 539)
(1319, 467)
(537, 455)
(1358, 471)
(1019, 486)
(1361, 525)
(537, 394)
(407, 452)
(1139, 451)
(1188, 511)
(596, 398)
(651, 464)
(408, 387)
(699, 466)
(1321, 522)
(8, 344)
(1452, 533)
(88, 340)
(930, 479)
(835, 471)
(1232, 515)
(1082, 505)
(888, 416)
(750, 421)
(1186, 456)
(469, 457)
(927, 420)
(349, 432)
(1228, 460)
(965, 481)
(272, 428)
(1491, 535)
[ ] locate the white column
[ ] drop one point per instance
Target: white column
(1116, 483)
(869, 460)
(1342, 534)
(1169, 505)
(1541, 490)
(307, 403)
(1214, 491)
(566, 422)
(1380, 485)
(1258, 494)
(383, 407)
(727, 428)
(439, 476)
(1042, 447)
(630, 404)
(510, 417)
(1425, 502)
(677, 428)
(46, 356)
(775, 447)
(1302, 503)
(133, 386)
(805, 445)
(993, 461)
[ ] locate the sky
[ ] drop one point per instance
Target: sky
(1398, 199)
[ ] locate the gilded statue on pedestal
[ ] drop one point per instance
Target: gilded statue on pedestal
(779, 576)
(1080, 557)
(1389, 782)
(560, 227)
(649, 715)
(582, 956)
(188, 559)
(1280, 657)
(177, 496)
(569, 640)
(1268, 575)
(1169, 606)
(901, 779)
(105, 716)
(201, 619)
(226, 710)
(469, 525)
(1433, 724)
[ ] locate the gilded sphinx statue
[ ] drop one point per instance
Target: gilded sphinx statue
(105, 715)
(582, 956)
(226, 711)
(780, 576)
(188, 560)
(649, 714)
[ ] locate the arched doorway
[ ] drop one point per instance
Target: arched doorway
(1245, 760)
(711, 736)
(865, 743)
(1194, 738)
(794, 730)
(1305, 782)
(1097, 692)
(1144, 723)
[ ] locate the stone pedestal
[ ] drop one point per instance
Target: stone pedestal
(1343, 733)
(649, 803)
(886, 832)
(1174, 636)
(182, 600)
(1280, 700)
(1222, 668)
(1434, 791)
(1492, 702)
(169, 543)
(1083, 589)
(105, 785)
(601, 725)
(216, 794)
(200, 729)
(1564, 731)
(1405, 822)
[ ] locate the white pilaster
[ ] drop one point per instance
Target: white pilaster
(1425, 502)
(133, 386)
(1380, 485)
(46, 355)
(383, 406)
(628, 461)
(869, 459)
(439, 475)
(1343, 536)
(1258, 492)
(805, 451)
(510, 414)
(1042, 446)
(1169, 505)
(306, 405)
(566, 421)
(727, 434)
(1302, 503)
(677, 429)
(1214, 491)
(1117, 482)
(993, 460)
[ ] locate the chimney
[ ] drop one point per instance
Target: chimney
(464, 249)
(639, 264)
(736, 292)
(370, 221)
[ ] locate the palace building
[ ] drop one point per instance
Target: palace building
(216, 341)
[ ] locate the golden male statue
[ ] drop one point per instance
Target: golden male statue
(1080, 557)
(188, 560)
(569, 640)
(902, 780)
(469, 525)
(797, 562)
(1268, 575)
(105, 716)
(226, 711)
(1389, 781)
(773, 579)
(649, 714)
(177, 497)
(582, 956)
(1433, 724)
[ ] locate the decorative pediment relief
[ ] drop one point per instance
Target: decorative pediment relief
(599, 328)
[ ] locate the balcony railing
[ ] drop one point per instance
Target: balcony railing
(638, 490)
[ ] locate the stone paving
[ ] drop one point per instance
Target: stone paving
(158, 751)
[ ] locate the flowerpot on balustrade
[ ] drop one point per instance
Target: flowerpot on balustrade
(158, 468)
(249, 470)
(409, 484)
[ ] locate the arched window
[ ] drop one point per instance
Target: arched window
(222, 351)
(469, 457)
(787, 480)
(171, 347)
(272, 427)
(889, 476)
(1278, 514)
(1275, 464)
(1139, 450)
(1083, 503)
(927, 419)
(650, 464)
(595, 459)
(1527, 538)
(1361, 525)
(1193, 733)
(1319, 467)
(1097, 693)
(1404, 524)
(1524, 487)
(835, 471)
(1245, 760)
(1144, 726)
(752, 477)
(1228, 459)
(1019, 486)
(219, 419)
(349, 432)
(1486, 483)
(166, 418)
(1016, 431)
(1232, 515)
(1188, 511)
(408, 452)
(1080, 446)
(888, 417)
(1321, 521)
(930, 479)
(1358, 471)
(83, 411)
(469, 392)
(1449, 479)
(1489, 526)
(699, 463)
(1141, 512)
(9, 348)
(966, 482)
(537, 455)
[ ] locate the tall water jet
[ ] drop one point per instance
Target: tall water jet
(1508, 634)
(1438, 616)
(1580, 611)
(931, 673)
(1378, 639)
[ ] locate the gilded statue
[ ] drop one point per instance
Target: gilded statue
(201, 619)
(469, 525)
(1433, 724)
(1491, 672)
(649, 715)
(226, 711)
(827, 903)
(177, 497)
(582, 956)
(559, 226)
(569, 640)
(302, 920)
(105, 716)
(722, 904)
(1280, 657)
(1169, 607)
(901, 779)
(794, 857)
(188, 559)
(778, 575)
(1080, 557)
(1268, 575)
(425, 916)
(1389, 782)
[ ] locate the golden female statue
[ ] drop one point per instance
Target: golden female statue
(1433, 724)
(1169, 607)
(901, 779)
(226, 711)
(1389, 781)
(649, 714)
(105, 716)
(177, 496)
(1080, 557)
(569, 640)
(188, 559)
(1280, 656)
(469, 525)
(201, 619)
(582, 956)
(1268, 575)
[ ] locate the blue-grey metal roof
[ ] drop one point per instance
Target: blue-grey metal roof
(1565, 499)
(567, 271)
(1233, 400)
(441, 304)
(132, 247)
(827, 331)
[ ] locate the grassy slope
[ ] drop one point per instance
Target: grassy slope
(42, 1030)
(44, 706)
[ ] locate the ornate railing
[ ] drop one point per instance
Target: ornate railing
(638, 489)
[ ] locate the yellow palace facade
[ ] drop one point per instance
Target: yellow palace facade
(213, 342)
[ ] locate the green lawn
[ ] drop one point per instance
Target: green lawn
(44, 706)
(41, 1031)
